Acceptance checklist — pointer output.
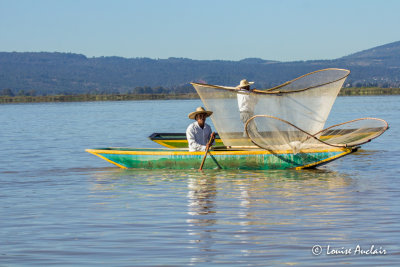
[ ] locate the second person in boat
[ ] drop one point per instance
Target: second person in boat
(246, 103)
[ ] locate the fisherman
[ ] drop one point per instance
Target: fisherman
(198, 133)
(246, 102)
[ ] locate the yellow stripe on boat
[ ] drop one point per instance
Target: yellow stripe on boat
(142, 151)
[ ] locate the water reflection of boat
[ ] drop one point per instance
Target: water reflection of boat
(259, 209)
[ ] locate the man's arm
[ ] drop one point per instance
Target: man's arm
(209, 135)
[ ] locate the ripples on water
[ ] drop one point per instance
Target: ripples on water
(61, 206)
(129, 217)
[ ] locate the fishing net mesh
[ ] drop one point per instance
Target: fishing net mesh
(289, 116)
(276, 134)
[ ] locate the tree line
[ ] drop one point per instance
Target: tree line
(145, 90)
(41, 74)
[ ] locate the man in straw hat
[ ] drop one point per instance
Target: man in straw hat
(246, 101)
(198, 133)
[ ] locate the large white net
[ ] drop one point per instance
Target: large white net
(289, 116)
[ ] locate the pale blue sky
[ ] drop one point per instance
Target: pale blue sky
(284, 30)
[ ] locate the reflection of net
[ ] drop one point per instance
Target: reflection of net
(305, 102)
(276, 134)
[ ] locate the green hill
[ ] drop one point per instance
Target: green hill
(46, 73)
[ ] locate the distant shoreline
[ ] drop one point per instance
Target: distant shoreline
(127, 97)
(90, 98)
(369, 91)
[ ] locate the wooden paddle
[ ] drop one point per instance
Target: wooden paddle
(209, 144)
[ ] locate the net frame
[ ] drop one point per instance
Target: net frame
(386, 127)
(273, 90)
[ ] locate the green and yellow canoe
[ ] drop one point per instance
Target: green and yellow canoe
(246, 159)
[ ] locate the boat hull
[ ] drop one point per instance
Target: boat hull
(225, 159)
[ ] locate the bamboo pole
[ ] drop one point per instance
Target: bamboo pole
(209, 144)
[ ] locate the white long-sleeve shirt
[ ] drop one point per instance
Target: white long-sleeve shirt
(246, 101)
(198, 137)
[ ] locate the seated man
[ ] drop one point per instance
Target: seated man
(198, 133)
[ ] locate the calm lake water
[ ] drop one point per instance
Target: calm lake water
(62, 206)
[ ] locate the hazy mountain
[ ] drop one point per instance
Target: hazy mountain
(388, 52)
(66, 73)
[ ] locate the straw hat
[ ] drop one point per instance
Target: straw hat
(244, 83)
(199, 110)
